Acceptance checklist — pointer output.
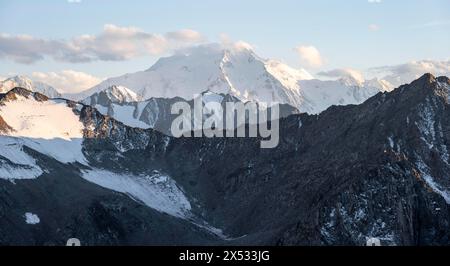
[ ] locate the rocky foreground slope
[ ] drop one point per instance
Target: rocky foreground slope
(379, 169)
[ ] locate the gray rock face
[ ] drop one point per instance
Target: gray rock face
(156, 113)
(380, 169)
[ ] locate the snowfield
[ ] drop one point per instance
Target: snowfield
(157, 191)
(14, 162)
(50, 127)
(41, 120)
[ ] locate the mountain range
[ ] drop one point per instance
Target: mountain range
(239, 72)
(235, 73)
(377, 169)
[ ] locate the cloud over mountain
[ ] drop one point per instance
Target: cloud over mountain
(405, 73)
(114, 43)
(67, 81)
(343, 72)
(309, 55)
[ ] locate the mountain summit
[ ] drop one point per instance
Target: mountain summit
(233, 70)
(238, 71)
(27, 83)
(114, 94)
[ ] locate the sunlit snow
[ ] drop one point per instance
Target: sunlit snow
(50, 127)
(157, 191)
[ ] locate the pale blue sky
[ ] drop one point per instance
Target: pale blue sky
(405, 29)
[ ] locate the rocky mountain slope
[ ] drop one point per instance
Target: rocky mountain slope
(121, 104)
(379, 169)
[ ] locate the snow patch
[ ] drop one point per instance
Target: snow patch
(14, 162)
(445, 86)
(166, 142)
(431, 131)
(391, 142)
(124, 114)
(426, 124)
(31, 218)
(425, 171)
(157, 191)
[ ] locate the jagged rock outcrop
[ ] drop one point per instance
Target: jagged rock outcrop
(156, 113)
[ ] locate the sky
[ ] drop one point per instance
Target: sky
(88, 40)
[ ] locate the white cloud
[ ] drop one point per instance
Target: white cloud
(27, 49)
(73, 1)
(67, 81)
(310, 56)
(228, 43)
(342, 73)
(374, 27)
(374, 1)
(114, 43)
(185, 36)
(405, 73)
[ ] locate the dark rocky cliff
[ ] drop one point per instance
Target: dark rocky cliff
(379, 169)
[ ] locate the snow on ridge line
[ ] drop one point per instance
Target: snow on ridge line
(208, 67)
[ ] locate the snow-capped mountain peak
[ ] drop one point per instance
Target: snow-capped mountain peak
(351, 81)
(235, 70)
(238, 71)
(381, 84)
(27, 83)
(119, 94)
